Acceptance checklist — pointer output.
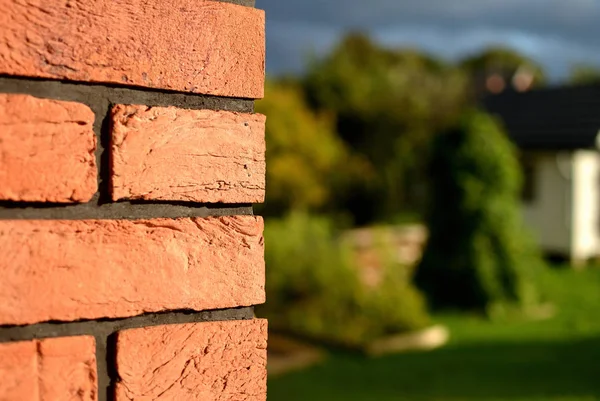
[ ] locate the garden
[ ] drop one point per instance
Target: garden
(372, 141)
(510, 359)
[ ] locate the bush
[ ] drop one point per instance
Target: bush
(300, 173)
(479, 255)
(314, 289)
(388, 104)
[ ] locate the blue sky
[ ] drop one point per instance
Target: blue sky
(557, 33)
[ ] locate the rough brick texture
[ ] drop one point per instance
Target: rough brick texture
(46, 150)
(18, 372)
(49, 370)
(198, 46)
(69, 270)
(217, 361)
(167, 153)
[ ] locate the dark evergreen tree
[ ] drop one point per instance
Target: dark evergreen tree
(479, 253)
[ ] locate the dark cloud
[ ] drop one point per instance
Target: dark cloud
(556, 32)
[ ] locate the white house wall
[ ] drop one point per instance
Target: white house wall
(549, 213)
(586, 222)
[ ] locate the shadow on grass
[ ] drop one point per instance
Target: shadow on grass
(486, 371)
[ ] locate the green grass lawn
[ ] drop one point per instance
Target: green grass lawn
(516, 360)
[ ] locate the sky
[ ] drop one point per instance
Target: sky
(557, 33)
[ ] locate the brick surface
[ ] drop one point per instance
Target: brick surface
(70, 270)
(54, 369)
(67, 368)
(18, 371)
(199, 46)
(167, 153)
(199, 361)
(46, 150)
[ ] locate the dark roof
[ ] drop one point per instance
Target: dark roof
(552, 118)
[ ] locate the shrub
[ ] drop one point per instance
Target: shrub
(479, 255)
(314, 289)
(302, 175)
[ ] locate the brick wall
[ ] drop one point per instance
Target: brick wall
(130, 157)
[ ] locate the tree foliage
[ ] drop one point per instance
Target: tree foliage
(314, 288)
(584, 74)
(308, 164)
(389, 104)
(504, 61)
(478, 254)
(354, 134)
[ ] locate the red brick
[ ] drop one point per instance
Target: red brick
(198, 46)
(166, 153)
(199, 361)
(49, 370)
(18, 371)
(46, 150)
(67, 368)
(69, 270)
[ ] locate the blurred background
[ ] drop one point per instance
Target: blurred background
(433, 199)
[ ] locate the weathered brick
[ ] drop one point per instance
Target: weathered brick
(18, 371)
(199, 361)
(86, 269)
(199, 46)
(46, 150)
(49, 370)
(167, 153)
(67, 368)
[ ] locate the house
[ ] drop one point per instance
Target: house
(557, 130)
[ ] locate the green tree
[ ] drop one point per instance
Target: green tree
(308, 164)
(389, 104)
(504, 61)
(314, 288)
(584, 74)
(479, 254)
